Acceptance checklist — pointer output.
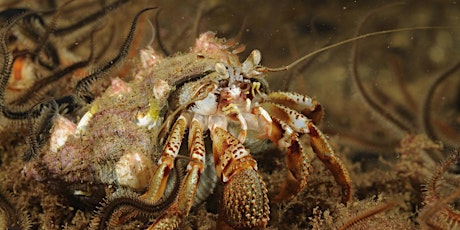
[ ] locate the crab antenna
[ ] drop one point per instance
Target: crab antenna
(344, 42)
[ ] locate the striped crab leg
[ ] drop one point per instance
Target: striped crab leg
(289, 125)
(305, 105)
(298, 160)
(173, 216)
(166, 163)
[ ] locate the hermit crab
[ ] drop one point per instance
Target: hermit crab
(231, 101)
(132, 133)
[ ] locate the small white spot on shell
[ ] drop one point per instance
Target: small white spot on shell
(161, 89)
(134, 170)
(118, 87)
(62, 129)
(148, 58)
(144, 120)
(83, 123)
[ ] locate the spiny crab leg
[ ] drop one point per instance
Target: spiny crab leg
(303, 125)
(244, 203)
(166, 162)
(325, 153)
(173, 216)
(292, 118)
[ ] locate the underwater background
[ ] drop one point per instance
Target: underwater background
(392, 106)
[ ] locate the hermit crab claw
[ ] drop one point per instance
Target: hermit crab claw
(244, 201)
(295, 115)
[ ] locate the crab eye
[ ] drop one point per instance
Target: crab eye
(223, 83)
(245, 86)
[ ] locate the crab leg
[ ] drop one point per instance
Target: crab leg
(291, 121)
(325, 153)
(233, 109)
(166, 162)
(298, 160)
(173, 216)
(306, 105)
(244, 202)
